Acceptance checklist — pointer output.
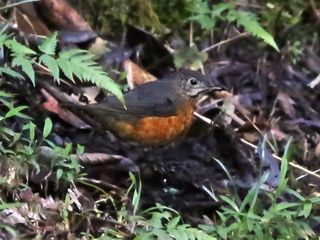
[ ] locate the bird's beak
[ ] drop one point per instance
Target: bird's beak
(213, 87)
(218, 92)
(217, 88)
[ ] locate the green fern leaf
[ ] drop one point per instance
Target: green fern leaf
(178, 234)
(3, 38)
(201, 14)
(10, 72)
(18, 49)
(250, 22)
(199, 7)
(15, 111)
(70, 53)
(194, 233)
(80, 63)
(205, 21)
(219, 8)
(160, 234)
(173, 222)
(49, 45)
(86, 57)
(51, 63)
(26, 67)
(64, 65)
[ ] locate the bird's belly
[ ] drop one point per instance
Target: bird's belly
(155, 131)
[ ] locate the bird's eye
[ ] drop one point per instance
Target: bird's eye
(193, 81)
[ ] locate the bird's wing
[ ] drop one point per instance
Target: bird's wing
(156, 100)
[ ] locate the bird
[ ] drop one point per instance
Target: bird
(154, 114)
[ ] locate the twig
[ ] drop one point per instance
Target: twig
(105, 184)
(308, 172)
(226, 41)
(203, 118)
(302, 176)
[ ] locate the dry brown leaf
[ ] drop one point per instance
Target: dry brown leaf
(136, 76)
(286, 104)
(119, 162)
(251, 137)
(52, 105)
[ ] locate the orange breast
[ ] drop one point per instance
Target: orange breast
(154, 131)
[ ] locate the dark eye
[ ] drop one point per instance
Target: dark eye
(193, 81)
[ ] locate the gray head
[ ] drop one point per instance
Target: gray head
(191, 84)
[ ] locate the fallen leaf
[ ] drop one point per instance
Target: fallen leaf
(52, 105)
(136, 76)
(286, 104)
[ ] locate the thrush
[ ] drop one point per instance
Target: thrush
(155, 113)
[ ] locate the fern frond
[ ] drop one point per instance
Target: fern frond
(250, 22)
(207, 17)
(80, 63)
(51, 63)
(49, 45)
(74, 62)
(18, 49)
(194, 233)
(3, 39)
(10, 72)
(201, 14)
(64, 65)
(189, 234)
(26, 66)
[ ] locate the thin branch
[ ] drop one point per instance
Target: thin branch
(102, 183)
(308, 172)
(246, 34)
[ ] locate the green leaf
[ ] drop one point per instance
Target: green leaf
(80, 63)
(18, 49)
(231, 203)
(173, 222)
(26, 67)
(160, 233)
(34, 163)
(10, 72)
(49, 45)
(51, 63)
(156, 220)
(250, 23)
(70, 176)
(178, 234)
(296, 194)
(211, 193)
(47, 127)
(314, 200)
(67, 150)
(66, 68)
(284, 205)
(4, 206)
(307, 207)
(205, 21)
(3, 39)
(59, 173)
(5, 94)
(31, 126)
(284, 169)
(255, 190)
(14, 111)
